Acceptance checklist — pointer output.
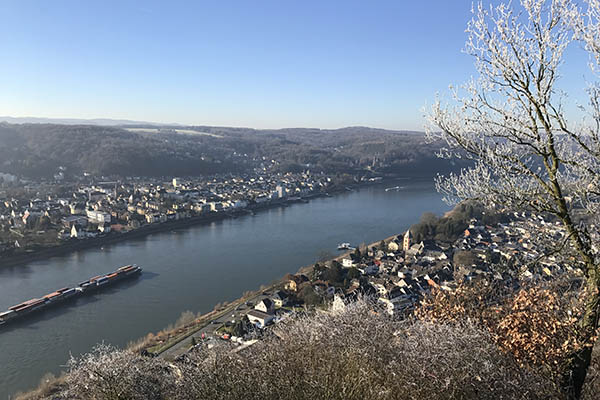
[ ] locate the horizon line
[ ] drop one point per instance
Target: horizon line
(126, 121)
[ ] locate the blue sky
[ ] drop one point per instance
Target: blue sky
(263, 64)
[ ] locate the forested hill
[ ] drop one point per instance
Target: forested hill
(38, 150)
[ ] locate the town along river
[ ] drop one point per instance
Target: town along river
(190, 269)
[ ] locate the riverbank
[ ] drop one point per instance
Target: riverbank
(168, 339)
(83, 244)
(173, 342)
(170, 343)
(74, 245)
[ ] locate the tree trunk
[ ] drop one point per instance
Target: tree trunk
(580, 360)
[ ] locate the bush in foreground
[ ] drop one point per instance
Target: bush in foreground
(355, 353)
(536, 323)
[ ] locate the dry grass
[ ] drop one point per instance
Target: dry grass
(49, 386)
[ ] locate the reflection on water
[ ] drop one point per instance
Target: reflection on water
(191, 269)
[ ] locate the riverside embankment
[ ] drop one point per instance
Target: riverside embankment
(23, 257)
(77, 245)
(171, 343)
(188, 269)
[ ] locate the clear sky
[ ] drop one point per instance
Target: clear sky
(262, 64)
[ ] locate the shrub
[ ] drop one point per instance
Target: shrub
(537, 325)
(353, 353)
(107, 373)
(358, 354)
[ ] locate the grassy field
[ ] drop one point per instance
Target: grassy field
(180, 131)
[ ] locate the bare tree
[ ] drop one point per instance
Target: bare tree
(510, 121)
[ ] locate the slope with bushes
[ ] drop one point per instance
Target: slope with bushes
(354, 353)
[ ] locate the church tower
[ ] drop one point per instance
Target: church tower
(406, 241)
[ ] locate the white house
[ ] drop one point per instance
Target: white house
(78, 233)
(75, 233)
(338, 304)
(397, 304)
(406, 241)
(99, 217)
(259, 318)
(265, 306)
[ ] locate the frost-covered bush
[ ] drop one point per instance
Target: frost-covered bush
(355, 353)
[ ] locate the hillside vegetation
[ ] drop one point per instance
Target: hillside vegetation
(38, 150)
(448, 228)
(353, 353)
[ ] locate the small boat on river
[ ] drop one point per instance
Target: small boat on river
(345, 246)
(396, 188)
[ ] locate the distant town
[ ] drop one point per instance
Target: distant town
(102, 208)
(60, 214)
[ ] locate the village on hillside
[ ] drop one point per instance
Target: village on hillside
(399, 271)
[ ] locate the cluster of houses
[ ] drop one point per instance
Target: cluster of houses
(399, 271)
(527, 246)
(397, 274)
(112, 207)
(522, 249)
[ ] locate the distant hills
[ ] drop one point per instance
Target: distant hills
(130, 148)
(75, 121)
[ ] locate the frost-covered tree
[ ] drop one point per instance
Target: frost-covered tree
(510, 121)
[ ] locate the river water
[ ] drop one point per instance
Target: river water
(190, 269)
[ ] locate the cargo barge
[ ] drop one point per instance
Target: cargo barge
(61, 295)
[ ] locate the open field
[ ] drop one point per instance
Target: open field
(180, 131)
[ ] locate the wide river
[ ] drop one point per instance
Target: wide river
(190, 269)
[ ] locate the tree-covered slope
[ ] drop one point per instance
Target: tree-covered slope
(38, 150)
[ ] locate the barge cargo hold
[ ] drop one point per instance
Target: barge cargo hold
(59, 296)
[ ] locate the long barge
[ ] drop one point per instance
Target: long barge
(20, 310)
